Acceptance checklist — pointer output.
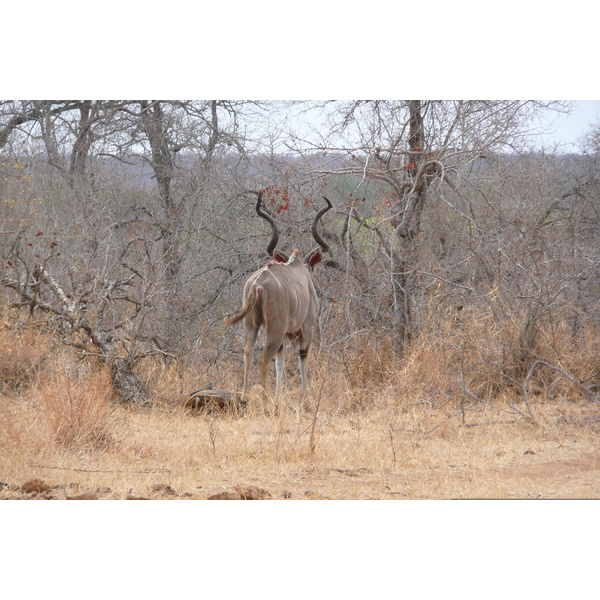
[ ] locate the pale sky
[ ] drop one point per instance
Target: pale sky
(569, 128)
(562, 132)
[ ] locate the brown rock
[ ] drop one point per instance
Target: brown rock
(215, 401)
(241, 493)
(252, 493)
(225, 496)
(163, 488)
(84, 496)
(35, 486)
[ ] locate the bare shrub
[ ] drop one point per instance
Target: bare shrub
(465, 357)
(14, 425)
(483, 358)
(78, 407)
(22, 352)
(369, 361)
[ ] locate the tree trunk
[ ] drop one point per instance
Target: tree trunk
(155, 127)
(127, 384)
(407, 223)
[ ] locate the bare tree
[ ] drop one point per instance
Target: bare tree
(180, 143)
(118, 206)
(410, 149)
(133, 209)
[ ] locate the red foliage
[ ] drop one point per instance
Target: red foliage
(277, 197)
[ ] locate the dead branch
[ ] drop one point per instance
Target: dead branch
(574, 381)
(40, 274)
(125, 381)
(314, 420)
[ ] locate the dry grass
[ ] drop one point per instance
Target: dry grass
(23, 352)
(371, 428)
(383, 451)
(77, 407)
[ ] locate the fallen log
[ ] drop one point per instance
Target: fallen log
(215, 401)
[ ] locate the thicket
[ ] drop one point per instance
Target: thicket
(135, 268)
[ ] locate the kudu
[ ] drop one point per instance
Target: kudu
(280, 297)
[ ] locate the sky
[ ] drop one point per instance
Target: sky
(567, 129)
(561, 132)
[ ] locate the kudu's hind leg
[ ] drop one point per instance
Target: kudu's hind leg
(251, 335)
(270, 350)
(303, 353)
(279, 368)
(302, 344)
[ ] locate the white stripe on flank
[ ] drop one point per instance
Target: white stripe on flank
(261, 271)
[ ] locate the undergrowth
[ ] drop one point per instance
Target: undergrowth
(52, 397)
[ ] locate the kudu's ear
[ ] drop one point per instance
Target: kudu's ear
(280, 257)
(314, 258)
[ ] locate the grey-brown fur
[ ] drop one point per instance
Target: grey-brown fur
(280, 297)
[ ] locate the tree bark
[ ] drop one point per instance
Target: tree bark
(407, 223)
(162, 160)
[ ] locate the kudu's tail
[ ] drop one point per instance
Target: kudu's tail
(253, 299)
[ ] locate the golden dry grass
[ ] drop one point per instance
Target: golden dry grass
(378, 452)
(370, 429)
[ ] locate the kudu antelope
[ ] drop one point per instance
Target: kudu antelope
(280, 297)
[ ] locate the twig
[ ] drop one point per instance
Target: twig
(391, 435)
(491, 423)
(528, 417)
(364, 174)
(360, 331)
(314, 422)
(574, 381)
(99, 470)
(463, 384)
